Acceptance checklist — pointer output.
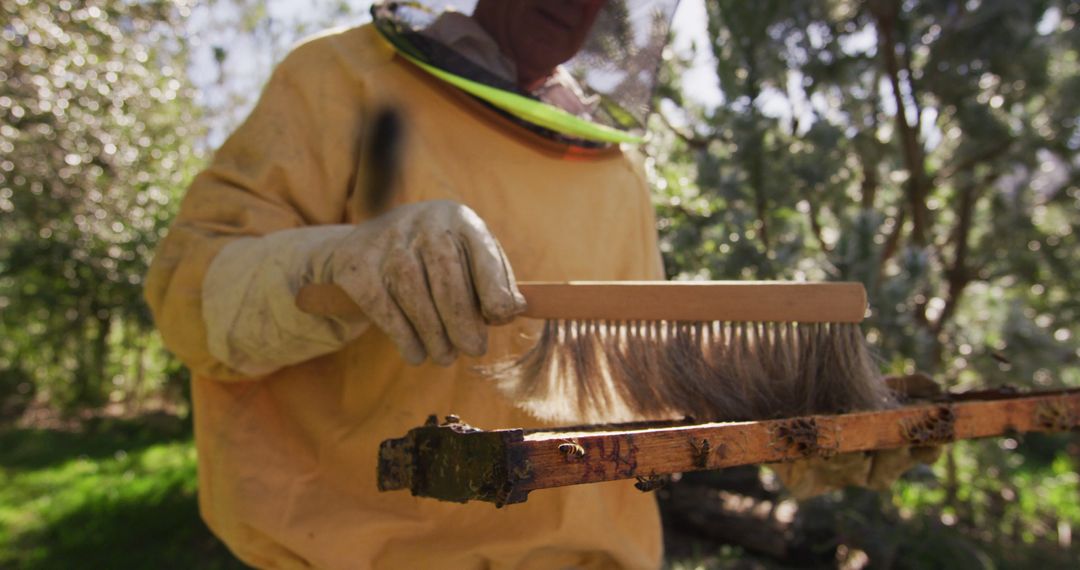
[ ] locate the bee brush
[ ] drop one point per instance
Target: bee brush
(714, 350)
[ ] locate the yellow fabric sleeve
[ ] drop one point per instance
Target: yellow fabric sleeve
(279, 170)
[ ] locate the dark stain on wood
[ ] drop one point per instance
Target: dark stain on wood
(609, 458)
(935, 427)
(796, 438)
(1056, 415)
(436, 461)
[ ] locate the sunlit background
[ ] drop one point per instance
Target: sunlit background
(927, 148)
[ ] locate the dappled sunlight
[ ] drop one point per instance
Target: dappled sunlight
(928, 150)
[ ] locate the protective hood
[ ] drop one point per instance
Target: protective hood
(600, 95)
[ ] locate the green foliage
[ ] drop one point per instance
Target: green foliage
(96, 131)
(119, 496)
(240, 42)
(927, 149)
(1018, 498)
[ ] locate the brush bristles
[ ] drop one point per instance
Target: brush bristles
(613, 371)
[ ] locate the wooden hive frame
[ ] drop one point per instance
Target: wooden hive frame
(452, 461)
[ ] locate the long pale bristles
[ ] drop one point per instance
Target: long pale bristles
(587, 371)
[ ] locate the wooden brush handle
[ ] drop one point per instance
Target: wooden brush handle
(697, 301)
(656, 301)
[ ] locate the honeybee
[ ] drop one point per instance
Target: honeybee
(572, 449)
(652, 483)
(701, 453)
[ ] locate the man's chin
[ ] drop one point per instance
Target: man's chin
(553, 53)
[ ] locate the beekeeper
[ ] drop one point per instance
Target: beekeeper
(516, 162)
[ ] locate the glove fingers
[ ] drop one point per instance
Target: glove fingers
(407, 281)
(384, 311)
(454, 296)
(431, 276)
(496, 289)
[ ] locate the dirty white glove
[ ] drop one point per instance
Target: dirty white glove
(877, 470)
(430, 275)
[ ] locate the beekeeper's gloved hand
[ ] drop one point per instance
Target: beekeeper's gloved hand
(877, 470)
(430, 275)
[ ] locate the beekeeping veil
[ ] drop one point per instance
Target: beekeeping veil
(600, 95)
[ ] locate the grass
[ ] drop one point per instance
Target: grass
(118, 496)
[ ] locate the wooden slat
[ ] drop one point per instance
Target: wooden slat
(529, 461)
(621, 455)
(750, 301)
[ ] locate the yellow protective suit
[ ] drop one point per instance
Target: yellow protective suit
(287, 461)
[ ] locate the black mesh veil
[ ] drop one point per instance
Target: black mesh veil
(615, 70)
(622, 54)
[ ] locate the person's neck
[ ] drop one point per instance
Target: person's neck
(486, 15)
